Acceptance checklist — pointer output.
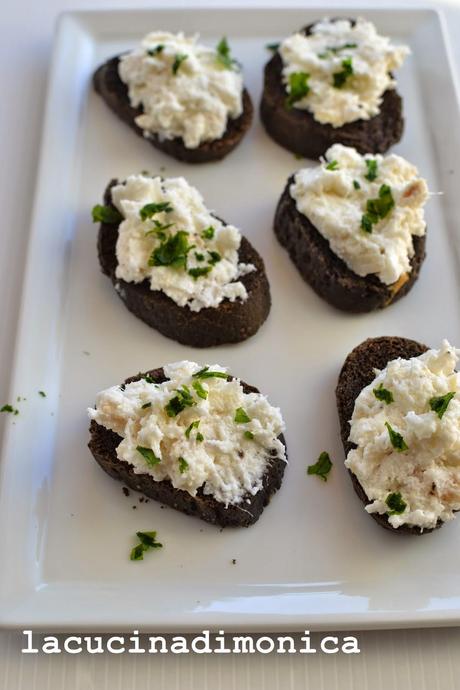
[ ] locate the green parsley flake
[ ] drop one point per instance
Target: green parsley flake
(337, 49)
(215, 257)
(9, 408)
(199, 257)
(339, 78)
(372, 171)
(241, 416)
(193, 425)
(206, 374)
(208, 233)
(149, 456)
(356, 184)
(147, 541)
(150, 210)
(159, 229)
(199, 271)
(183, 465)
(106, 214)
(146, 405)
(223, 55)
(149, 379)
(395, 503)
(333, 165)
(42, 394)
(172, 251)
(377, 208)
(200, 390)
(249, 435)
(298, 87)
(155, 51)
(396, 439)
(440, 403)
(322, 466)
(178, 60)
(180, 401)
(199, 437)
(383, 394)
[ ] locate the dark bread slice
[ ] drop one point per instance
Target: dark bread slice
(326, 273)
(358, 372)
(230, 322)
(103, 446)
(298, 131)
(114, 92)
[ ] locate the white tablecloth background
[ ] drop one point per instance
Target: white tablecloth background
(412, 660)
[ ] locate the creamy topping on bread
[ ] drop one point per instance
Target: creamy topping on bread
(198, 429)
(367, 207)
(406, 426)
(185, 89)
(348, 68)
(171, 239)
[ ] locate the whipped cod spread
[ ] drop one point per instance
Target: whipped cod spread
(347, 70)
(368, 208)
(184, 88)
(198, 429)
(406, 427)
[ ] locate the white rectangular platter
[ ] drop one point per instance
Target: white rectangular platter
(314, 559)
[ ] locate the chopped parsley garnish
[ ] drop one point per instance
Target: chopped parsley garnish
(335, 50)
(372, 171)
(147, 541)
(183, 465)
(298, 87)
(155, 51)
(172, 251)
(9, 408)
(159, 229)
(395, 503)
(249, 435)
(215, 257)
(339, 78)
(42, 394)
(378, 208)
(199, 271)
(383, 394)
(333, 165)
(241, 416)
(200, 390)
(193, 425)
(396, 439)
(199, 437)
(146, 405)
(148, 455)
(208, 233)
(149, 378)
(356, 184)
(223, 56)
(440, 403)
(199, 257)
(206, 374)
(180, 401)
(321, 467)
(106, 214)
(178, 60)
(150, 210)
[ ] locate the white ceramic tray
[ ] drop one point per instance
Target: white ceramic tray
(315, 559)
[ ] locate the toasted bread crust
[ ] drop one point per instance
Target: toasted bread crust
(357, 373)
(326, 273)
(103, 444)
(230, 322)
(114, 92)
(298, 131)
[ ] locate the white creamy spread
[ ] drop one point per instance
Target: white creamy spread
(198, 268)
(183, 87)
(335, 200)
(362, 60)
(202, 445)
(427, 474)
